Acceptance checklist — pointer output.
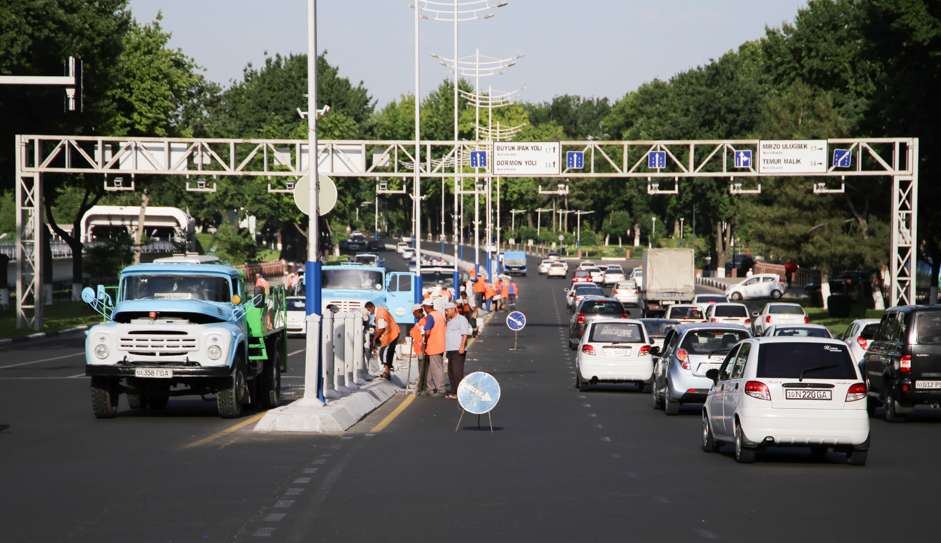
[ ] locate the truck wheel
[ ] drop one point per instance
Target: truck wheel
(135, 400)
(229, 400)
(269, 382)
(104, 398)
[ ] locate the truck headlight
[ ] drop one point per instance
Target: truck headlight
(101, 351)
(214, 352)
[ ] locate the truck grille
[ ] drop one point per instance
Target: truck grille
(158, 343)
(346, 305)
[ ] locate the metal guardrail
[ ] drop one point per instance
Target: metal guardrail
(61, 249)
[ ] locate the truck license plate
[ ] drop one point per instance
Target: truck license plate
(807, 394)
(153, 373)
(928, 385)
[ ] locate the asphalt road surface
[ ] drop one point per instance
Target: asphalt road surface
(560, 466)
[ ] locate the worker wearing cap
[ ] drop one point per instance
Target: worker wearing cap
(418, 345)
(489, 293)
(458, 332)
(434, 329)
(514, 293)
(385, 337)
(505, 291)
(480, 288)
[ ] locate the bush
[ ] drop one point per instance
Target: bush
(234, 245)
(112, 250)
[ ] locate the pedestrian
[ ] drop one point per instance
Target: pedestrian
(418, 347)
(434, 329)
(514, 292)
(489, 293)
(480, 288)
(505, 291)
(790, 268)
(385, 337)
(458, 330)
(467, 308)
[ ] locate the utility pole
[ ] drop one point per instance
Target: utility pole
(313, 375)
(539, 213)
(416, 200)
(578, 227)
(513, 213)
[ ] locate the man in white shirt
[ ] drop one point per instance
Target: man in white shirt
(458, 330)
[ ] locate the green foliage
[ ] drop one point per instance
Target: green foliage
(234, 245)
(113, 250)
(7, 213)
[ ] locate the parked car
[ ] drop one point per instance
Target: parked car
(705, 300)
(729, 313)
(588, 309)
(613, 274)
(626, 291)
(762, 285)
(296, 316)
(637, 274)
(684, 313)
(558, 269)
(690, 350)
(657, 330)
(778, 313)
(613, 351)
(575, 294)
(797, 330)
(903, 364)
(858, 336)
(787, 391)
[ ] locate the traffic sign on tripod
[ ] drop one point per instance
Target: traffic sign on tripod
(516, 321)
(478, 394)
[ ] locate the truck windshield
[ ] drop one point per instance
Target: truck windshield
(176, 287)
(352, 279)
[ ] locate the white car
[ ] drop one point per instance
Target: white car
(858, 335)
(626, 292)
(797, 330)
(613, 274)
(296, 316)
(684, 313)
(778, 313)
(613, 351)
(762, 285)
(585, 264)
(705, 300)
(400, 247)
(557, 269)
(544, 266)
(786, 391)
(597, 276)
(578, 292)
(728, 313)
(637, 274)
(408, 253)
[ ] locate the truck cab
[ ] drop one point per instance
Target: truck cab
(347, 287)
(181, 328)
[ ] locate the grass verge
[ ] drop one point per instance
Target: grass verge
(58, 316)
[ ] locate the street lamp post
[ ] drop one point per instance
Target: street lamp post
(416, 199)
(513, 213)
(313, 384)
(682, 220)
(578, 226)
(653, 231)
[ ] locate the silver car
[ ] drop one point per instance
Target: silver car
(690, 350)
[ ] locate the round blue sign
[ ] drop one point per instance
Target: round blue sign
(516, 321)
(478, 393)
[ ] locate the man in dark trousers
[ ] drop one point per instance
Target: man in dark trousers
(457, 334)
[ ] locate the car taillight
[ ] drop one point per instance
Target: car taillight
(747, 321)
(768, 319)
(625, 315)
(713, 319)
(645, 350)
(806, 319)
(863, 342)
(683, 357)
(580, 319)
(588, 349)
(856, 392)
(905, 363)
(757, 389)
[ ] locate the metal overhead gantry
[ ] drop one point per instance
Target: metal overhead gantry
(675, 160)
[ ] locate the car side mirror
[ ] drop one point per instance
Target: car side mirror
(754, 314)
(713, 374)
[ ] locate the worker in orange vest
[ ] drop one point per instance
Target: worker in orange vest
(489, 293)
(418, 345)
(480, 288)
(435, 329)
(385, 337)
(514, 293)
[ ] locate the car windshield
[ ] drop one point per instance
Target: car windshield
(928, 328)
(713, 341)
(616, 332)
(601, 307)
(710, 299)
(802, 332)
(730, 311)
(686, 312)
(352, 279)
(614, 269)
(627, 285)
(870, 331)
(785, 309)
(658, 328)
(556, 264)
(813, 360)
(366, 259)
(176, 287)
(295, 303)
(581, 273)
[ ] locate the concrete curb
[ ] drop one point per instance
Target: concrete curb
(713, 282)
(43, 335)
(336, 416)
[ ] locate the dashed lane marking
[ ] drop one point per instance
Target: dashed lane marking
(226, 431)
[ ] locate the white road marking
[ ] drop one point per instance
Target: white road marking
(41, 360)
(293, 491)
(263, 532)
(301, 481)
(310, 471)
(290, 354)
(76, 376)
(275, 517)
(283, 504)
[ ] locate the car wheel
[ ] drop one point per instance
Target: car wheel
(735, 297)
(857, 458)
(776, 294)
(743, 453)
(580, 383)
(670, 407)
(890, 409)
(709, 443)
(656, 401)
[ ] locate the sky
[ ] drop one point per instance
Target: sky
(591, 48)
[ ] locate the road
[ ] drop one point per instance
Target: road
(561, 465)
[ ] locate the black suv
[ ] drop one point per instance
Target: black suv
(902, 367)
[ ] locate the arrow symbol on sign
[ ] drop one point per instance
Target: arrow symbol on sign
(477, 392)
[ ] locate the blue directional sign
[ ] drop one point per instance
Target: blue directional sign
(575, 160)
(516, 321)
(657, 160)
(478, 159)
(478, 393)
(743, 158)
(842, 158)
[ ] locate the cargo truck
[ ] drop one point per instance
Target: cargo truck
(669, 278)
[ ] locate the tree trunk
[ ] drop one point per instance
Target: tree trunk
(723, 243)
(76, 244)
(636, 235)
(139, 231)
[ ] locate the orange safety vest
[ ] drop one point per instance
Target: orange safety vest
(415, 333)
(435, 340)
(479, 285)
(473, 273)
(391, 332)
(505, 291)
(489, 292)
(515, 289)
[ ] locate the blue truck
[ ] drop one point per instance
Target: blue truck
(348, 286)
(514, 262)
(180, 328)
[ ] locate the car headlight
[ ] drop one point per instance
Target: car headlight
(214, 352)
(101, 351)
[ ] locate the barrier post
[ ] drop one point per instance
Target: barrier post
(329, 386)
(358, 355)
(339, 350)
(349, 354)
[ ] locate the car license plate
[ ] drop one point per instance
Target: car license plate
(807, 394)
(928, 385)
(153, 373)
